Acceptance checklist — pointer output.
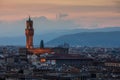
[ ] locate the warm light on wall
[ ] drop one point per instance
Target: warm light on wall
(43, 60)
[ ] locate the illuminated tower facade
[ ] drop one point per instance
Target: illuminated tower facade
(29, 32)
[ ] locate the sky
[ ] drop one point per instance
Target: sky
(76, 13)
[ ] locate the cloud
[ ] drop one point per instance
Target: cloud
(61, 15)
(49, 10)
(118, 5)
(85, 14)
(43, 24)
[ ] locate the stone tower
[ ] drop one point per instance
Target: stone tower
(29, 32)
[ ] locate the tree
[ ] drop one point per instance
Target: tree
(41, 44)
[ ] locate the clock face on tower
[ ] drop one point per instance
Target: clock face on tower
(29, 32)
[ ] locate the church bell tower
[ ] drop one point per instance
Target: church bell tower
(29, 32)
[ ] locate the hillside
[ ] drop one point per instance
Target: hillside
(104, 39)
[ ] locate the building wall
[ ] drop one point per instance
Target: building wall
(60, 50)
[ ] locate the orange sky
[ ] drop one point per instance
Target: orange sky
(83, 12)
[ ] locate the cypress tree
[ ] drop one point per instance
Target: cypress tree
(41, 44)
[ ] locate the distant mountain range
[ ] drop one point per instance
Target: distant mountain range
(84, 37)
(101, 39)
(56, 33)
